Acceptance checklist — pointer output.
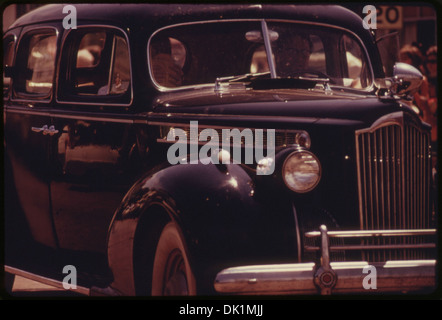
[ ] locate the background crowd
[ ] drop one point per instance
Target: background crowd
(425, 99)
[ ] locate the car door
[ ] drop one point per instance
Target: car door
(90, 154)
(27, 134)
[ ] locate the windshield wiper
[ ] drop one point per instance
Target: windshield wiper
(263, 81)
(242, 79)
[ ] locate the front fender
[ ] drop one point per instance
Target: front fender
(224, 220)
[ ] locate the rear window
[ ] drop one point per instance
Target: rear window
(36, 54)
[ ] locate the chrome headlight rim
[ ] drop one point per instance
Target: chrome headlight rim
(284, 166)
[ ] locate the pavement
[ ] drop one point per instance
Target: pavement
(28, 288)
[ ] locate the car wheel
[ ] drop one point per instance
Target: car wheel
(172, 274)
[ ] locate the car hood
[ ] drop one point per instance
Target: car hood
(280, 105)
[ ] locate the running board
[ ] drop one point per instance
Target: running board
(45, 280)
(93, 291)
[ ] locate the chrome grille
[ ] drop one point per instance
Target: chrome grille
(393, 180)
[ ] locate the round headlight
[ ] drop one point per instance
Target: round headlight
(301, 171)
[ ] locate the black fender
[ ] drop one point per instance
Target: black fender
(18, 236)
(224, 219)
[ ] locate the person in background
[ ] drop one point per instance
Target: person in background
(411, 55)
(431, 71)
(292, 54)
(424, 98)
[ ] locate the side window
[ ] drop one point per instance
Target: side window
(8, 57)
(35, 72)
(168, 58)
(355, 73)
(96, 65)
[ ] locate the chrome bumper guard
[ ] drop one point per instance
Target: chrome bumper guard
(335, 277)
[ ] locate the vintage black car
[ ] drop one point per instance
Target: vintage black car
(117, 182)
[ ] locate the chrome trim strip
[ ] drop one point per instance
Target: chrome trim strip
(30, 111)
(375, 247)
(410, 244)
(45, 280)
(191, 116)
(185, 126)
(104, 26)
(144, 118)
(92, 118)
(204, 126)
(374, 233)
(50, 113)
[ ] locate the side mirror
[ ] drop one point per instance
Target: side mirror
(406, 80)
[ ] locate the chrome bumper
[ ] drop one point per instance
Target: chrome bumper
(335, 277)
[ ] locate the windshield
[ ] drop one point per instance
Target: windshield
(195, 54)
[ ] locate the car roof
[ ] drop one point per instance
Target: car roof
(146, 18)
(158, 15)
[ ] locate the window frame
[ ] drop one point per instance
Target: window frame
(67, 63)
(20, 96)
(10, 37)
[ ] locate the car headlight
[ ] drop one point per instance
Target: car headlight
(301, 171)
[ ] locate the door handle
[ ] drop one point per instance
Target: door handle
(51, 131)
(46, 130)
(42, 129)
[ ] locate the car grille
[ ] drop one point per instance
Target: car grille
(394, 170)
